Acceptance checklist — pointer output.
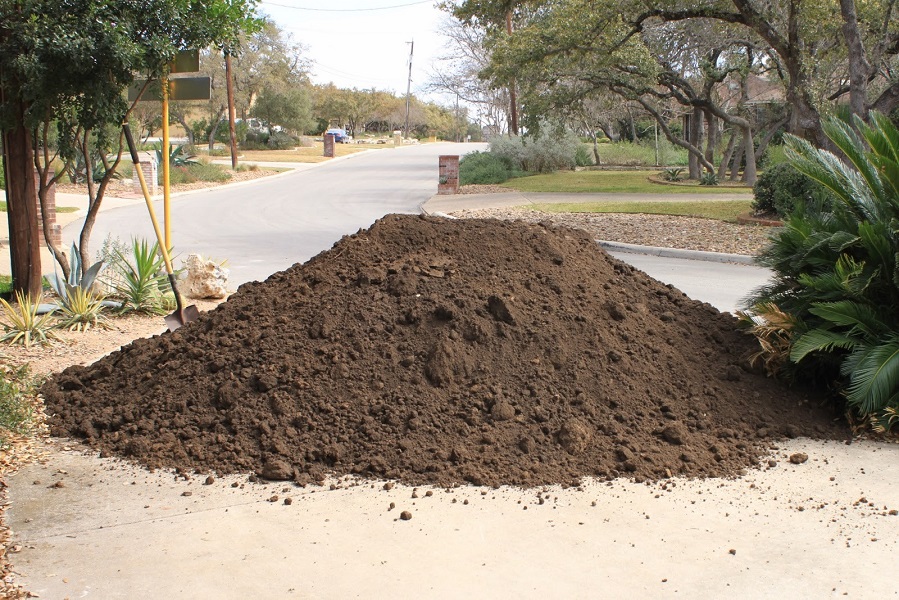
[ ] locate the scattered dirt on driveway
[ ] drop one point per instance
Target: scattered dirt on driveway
(443, 351)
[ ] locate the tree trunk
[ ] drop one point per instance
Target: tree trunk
(737, 161)
(859, 67)
(21, 206)
(728, 153)
(183, 122)
(214, 129)
(713, 136)
(694, 137)
(43, 164)
(749, 173)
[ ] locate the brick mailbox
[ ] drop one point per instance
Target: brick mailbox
(329, 144)
(151, 174)
(449, 174)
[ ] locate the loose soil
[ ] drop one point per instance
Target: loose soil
(442, 351)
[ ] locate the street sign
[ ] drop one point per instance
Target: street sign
(183, 88)
(186, 61)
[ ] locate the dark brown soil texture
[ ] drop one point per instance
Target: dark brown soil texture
(442, 351)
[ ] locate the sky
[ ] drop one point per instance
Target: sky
(364, 44)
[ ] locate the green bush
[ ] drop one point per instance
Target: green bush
(255, 140)
(281, 140)
(781, 188)
(544, 152)
(835, 267)
(582, 156)
(484, 168)
(2, 177)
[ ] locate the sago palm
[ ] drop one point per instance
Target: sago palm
(836, 266)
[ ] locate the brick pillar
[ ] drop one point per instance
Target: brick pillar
(55, 230)
(329, 145)
(150, 170)
(449, 174)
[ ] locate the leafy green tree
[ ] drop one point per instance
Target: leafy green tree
(70, 60)
(291, 109)
(268, 59)
(837, 265)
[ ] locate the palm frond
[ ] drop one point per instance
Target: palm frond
(820, 340)
(873, 372)
(860, 318)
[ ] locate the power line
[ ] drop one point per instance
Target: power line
(347, 9)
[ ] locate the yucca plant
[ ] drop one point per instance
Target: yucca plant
(835, 263)
(23, 325)
(82, 309)
(143, 281)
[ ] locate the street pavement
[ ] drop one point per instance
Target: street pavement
(90, 527)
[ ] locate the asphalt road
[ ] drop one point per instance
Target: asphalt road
(270, 224)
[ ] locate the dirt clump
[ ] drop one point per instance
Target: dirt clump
(442, 351)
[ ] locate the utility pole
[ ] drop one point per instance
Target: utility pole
(408, 88)
(229, 87)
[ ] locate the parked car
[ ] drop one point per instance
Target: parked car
(340, 135)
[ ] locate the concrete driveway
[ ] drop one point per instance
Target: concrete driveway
(91, 527)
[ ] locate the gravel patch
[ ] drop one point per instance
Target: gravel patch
(686, 233)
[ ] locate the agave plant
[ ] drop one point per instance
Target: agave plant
(178, 156)
(836, 267)
(24, 325)
(673, 174)
(143, 281)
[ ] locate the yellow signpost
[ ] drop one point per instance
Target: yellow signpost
(178, 88)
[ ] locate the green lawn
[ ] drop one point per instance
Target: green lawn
(722, 210)
(59, 209)
(634, 182)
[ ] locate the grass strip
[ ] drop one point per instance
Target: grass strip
(726, 210)
(627, 182)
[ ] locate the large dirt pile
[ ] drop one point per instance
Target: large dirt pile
(440, 351)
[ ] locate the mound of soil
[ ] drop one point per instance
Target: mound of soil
(442, 351)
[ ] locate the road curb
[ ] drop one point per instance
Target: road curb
(720, 257)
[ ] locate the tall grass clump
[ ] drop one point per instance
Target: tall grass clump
(17, 390)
